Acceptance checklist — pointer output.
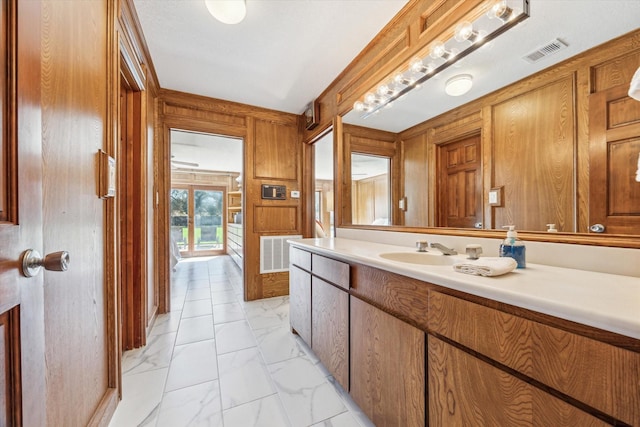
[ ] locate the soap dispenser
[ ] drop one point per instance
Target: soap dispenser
(513, 247)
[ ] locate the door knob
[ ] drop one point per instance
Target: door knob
(597, 228)
(32, 262)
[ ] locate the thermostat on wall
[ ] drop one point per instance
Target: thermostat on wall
(274, 192)
(295, 194)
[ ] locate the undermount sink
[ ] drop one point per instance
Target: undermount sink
(423, 258)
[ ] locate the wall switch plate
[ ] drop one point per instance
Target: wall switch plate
(402, 204)
(496, 196)
(295, 194)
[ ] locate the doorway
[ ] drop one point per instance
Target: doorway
(205, 194)
(323, 190)
(197, 220)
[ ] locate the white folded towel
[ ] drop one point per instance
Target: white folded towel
(634, 87)
(487, 266)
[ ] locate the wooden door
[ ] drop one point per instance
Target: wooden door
(459, 190)
(614, 150)
(22, 369)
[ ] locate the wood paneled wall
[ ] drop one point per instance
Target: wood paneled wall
(75, 114)
(370, 199)
(414, 179)
(533, 152)
(325, 187)
(539, 125)
(134, 152)
(272, 155)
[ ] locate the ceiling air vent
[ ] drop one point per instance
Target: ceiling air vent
(546, 50)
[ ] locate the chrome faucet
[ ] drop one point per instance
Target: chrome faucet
(445, 250)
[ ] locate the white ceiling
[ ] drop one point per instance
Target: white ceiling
(206, 152)
(281, 56)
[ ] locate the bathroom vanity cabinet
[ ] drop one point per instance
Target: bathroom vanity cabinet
(319, 300)
(423, 354)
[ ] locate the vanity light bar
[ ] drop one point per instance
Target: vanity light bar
(493, 18)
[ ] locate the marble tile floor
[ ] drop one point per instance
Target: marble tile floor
(216, 360)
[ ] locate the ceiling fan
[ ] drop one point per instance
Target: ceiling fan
(175, 164)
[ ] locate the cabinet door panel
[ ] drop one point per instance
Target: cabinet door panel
(300, 302)
(464, 391)
(330, 329)
(387, 367)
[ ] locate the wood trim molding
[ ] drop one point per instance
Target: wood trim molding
(131, 30)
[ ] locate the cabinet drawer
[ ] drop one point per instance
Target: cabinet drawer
(598, 374)
(401, 296)
(465, 391)
(333, 271)
(300, 258)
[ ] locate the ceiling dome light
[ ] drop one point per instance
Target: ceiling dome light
(227, 11)
(458, 85)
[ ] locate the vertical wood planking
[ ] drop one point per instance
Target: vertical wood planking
(75, 100)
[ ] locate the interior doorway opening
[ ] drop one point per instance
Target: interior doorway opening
(205, 195)
(323, 187)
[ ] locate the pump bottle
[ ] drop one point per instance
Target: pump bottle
(513, 247)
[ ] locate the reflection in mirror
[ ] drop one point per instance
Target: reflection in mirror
(542, 129)
(323, 163)
(370, 193)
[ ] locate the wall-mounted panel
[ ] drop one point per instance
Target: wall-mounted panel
(275, 219)
(533, 158)
(275, 151)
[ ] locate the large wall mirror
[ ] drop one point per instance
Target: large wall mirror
(546, 135)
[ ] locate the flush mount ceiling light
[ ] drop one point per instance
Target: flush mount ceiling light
(458, 85)
(227, 11)
(482, 24)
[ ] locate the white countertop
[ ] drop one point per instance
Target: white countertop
(606, 301)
